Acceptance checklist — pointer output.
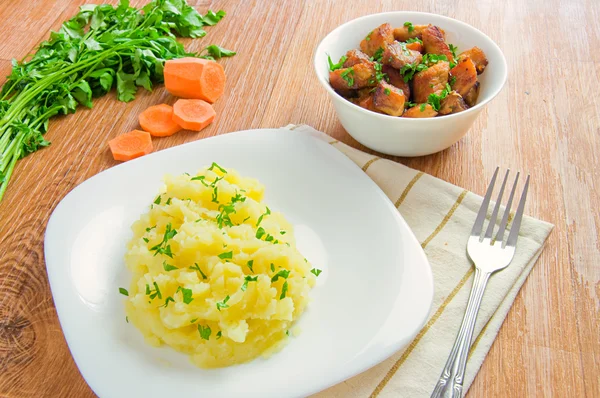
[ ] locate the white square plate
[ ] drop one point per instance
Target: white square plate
(372, 298)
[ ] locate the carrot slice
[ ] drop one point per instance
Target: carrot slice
(195, 78)
(130, 145)
(158, 121)
(193, 114)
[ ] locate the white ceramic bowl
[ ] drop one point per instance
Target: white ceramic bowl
(403, 136)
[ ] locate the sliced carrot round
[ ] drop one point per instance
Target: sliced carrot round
(195, 78)
(158, 120)
(131, 145)
(193, 114)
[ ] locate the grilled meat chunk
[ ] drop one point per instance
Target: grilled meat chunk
(420, 111)
(465, 76)
(378, 38)
(453, 103)
(402, 33)
(395, 79)
(431, 80)
(477, 56)
(471, 97)
(398, 55)
(354, 77)
(354, 57)
(416, 46)
(434, 42)
(389, 99)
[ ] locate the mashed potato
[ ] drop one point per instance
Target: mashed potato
(216, 273)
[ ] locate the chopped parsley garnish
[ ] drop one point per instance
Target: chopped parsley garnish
(260, 232)
(284, 273)
(247, 279)
(146, 240)
(168, 202)
(127, 319)
(337, 66)
(435, 100)
(453, 50)
(186, 294)
(369, 36)
(269, 238)
(157, 200)
(347, 76)
(150, 228)
(272, 267)
(434, 58)
(197, 268)
(201, 179)
(193, 320)
(282, 232)
(123, 291)
(250, 264)
(223, 217)
(163, 247)
(316, 271)
(215, 195)
(410, 26)
(168, 300)
(377, 55)
(386, 91)
(223, 304)
(409, 70)
(287, 333)
(153, 293)
(204, 331)
(414, 40)
(226, 255)
(169, 267)
(213, 165)
(219, 334)
(422, 107)
(452, 80)
(245, 219)
(262, 215)
(378, 74)
(410, 104)
(284, 290)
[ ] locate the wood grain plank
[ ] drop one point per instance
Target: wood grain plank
(546, 122)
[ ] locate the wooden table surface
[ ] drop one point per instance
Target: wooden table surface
(546, 121)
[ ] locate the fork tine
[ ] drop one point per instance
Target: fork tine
(490, 229)
(502, 228)
(516, 224)
(476, 231)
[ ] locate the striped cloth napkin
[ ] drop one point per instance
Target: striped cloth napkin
(441, 216)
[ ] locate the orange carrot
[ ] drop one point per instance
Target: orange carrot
(193, 114)
(158, 120)
(130, 145)
(195, 78)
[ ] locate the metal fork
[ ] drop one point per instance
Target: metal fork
(489, 255)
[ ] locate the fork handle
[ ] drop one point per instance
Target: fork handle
(450, 383)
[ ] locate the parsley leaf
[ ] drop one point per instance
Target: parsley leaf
(249, 264)
(193, 320)
(219, 334)
(260, 232)
(247, 279)
(316, 271)
(215, 165)
(204, 331)
(422, 107)
(337, 66)
(414, 40)
(377, 55)
(262, 215)
(186, 294)
(347, 76)
(386, 91)
(157, 200)
(284, 273)
(452, 80)
(216, 52)
(410, 26)
(272, 267)
(453, 50)
(169, 267)
(123, 291)
(197, 268)
(163, 247)
(167, 301)
(223, 304)
(284, 290)
(226, 255)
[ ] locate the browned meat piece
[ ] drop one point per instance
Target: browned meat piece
(471, 97)
(397, 55)
(431, 80)
(465, 76)
(477, 56)
(415, 45)
(453, 103)
(357, 76)
(420, 111)
(376, 39)
(389, 99)
(354, 57)
(434, 42)
(402, 33)
(367, 103)
(395, 79)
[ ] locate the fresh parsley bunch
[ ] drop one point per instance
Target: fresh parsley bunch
(99, 48)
